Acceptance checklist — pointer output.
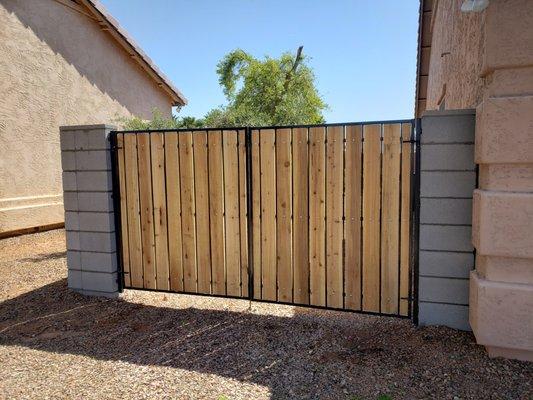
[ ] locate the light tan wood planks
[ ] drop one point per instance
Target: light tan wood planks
(201, 195)
(284, 214)
(334, 216)
(256, 212)
(390, 210)
(317, 215)
(231, 202)
(216, 210)
(146, 203)
(188, 211)
(352, 215)
(371, 215)
(133, 210)
(243, 217)
(173, 185)
(124, 235)
(300, 196)
(268, 214)
(405, 220)
(160, 210)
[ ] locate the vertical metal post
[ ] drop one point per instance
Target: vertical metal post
(415, 233)
(116, 207)
(249, 210)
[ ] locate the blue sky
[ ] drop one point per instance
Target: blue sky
(363, 51)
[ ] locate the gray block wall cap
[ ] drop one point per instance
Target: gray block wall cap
(449, 113)
(67, 128)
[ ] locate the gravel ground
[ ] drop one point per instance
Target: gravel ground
(58, 344)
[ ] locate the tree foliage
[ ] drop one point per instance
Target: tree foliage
(271, 91)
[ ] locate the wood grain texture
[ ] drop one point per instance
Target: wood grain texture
(256, 212)
(284, 214)
(160, 210)
(231, 202)
(300, 175)
(405, 220)
(124, 235)
(201, 195)
(146, 204)
(268, 214)
(188, 211)
(243, 216)
(317, 215)
(371, 215)
(390, 213)
(334, 215)
(216, 212)
(173, 186)
(352, 215)
(133, 210)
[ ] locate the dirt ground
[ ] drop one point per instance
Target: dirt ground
(55, 343)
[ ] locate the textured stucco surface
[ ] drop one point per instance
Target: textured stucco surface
(456, 58)
(501, 287)
(484, 60)
(57, 67)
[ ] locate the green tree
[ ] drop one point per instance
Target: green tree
(272, 91)
(159, 121)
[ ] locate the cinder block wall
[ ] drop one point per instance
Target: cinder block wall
(89, 216)
(448, 179)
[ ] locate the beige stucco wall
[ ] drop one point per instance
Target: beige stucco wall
(456, 57)
(57, 67)
(490, 68)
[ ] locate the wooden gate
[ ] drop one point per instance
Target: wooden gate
(310, 215)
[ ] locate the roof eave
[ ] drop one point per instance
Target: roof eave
(107, 22)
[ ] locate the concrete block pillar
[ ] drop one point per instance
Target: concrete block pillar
(89, 219)
(447, 182)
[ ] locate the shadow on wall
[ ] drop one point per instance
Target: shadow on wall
(91, 51)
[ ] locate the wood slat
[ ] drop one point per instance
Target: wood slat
(231, 202)
(317, 216)
(268, 214)
(124, 211)
(188, 211)
(160, 210)
(256, 212)
(352, 215)
(405, 232)
(284, 214)
(201, 191)
(243, 218)
(300, 175)
(330, 214)
(371, 207)
(216, 212)
(133, 210)
(390, 218)
(173, 186)
(334, 215)
(146, 203)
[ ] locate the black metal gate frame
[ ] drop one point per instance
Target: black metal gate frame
(416, 133)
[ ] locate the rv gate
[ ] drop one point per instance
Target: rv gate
(315, 215)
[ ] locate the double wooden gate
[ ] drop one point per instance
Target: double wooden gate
(310, 215)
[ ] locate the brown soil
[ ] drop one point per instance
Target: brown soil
(55, 343)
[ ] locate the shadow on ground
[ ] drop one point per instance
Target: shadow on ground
(294, 357)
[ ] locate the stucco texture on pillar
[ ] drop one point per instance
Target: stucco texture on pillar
(501, 287)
